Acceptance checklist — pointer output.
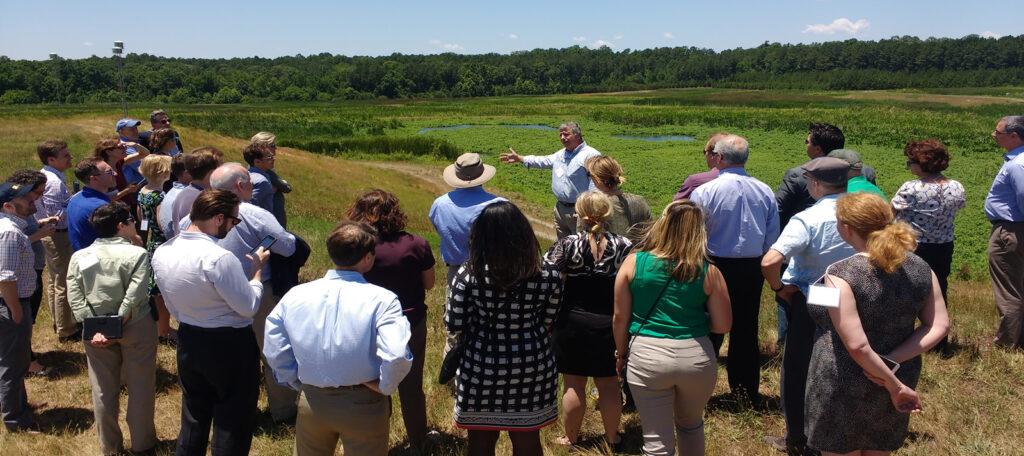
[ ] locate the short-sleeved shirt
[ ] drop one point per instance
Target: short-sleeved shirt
(80, 232)
(811, 243)
(400, 261)
(930, 207)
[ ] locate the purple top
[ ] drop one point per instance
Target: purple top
(693, 181)
(400, 261)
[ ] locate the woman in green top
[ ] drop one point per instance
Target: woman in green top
(667, 299)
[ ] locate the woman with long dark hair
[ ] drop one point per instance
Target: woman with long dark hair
(502, 301)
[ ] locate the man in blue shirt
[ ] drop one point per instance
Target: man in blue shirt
(128, 132)
(1004, 207)
(811, 243)
(569, 177)
(98, 178)
(260, 158)
(343, 343)
(742, 222)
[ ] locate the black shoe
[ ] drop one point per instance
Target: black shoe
(74, 337)
(780, 444)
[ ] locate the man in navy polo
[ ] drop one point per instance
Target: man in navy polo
(98, 178)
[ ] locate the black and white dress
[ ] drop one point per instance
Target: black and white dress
(507, 379)
(584, 344)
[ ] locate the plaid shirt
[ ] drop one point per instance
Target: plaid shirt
(17, 262)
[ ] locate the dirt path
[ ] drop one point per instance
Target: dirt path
(430, 175)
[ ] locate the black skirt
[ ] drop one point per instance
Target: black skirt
(585, 345)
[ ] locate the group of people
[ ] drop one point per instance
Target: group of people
(617, 296)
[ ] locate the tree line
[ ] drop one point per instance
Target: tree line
(899, 62)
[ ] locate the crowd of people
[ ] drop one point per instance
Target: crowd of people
(641, 306)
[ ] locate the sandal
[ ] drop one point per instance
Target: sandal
(564, 441)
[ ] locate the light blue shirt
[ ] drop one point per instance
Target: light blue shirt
(453, 215)
(56, 196)
(1005, 201)
(256, 224)
(262, 189)
(131, 172)
(166, 216)
(568, 176)
(811, 243)
(741, 215)
(338, 331)
(203, 284)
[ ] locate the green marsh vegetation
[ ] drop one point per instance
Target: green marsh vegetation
(971, 401)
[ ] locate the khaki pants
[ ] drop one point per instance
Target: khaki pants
(1006, 265)
(58, 254)
(281, 400)
(671, 381)
(565, 219)
(356, 414)
(136, 354)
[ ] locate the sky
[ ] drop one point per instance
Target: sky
(225, 29)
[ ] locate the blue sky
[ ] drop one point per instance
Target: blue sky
(218, 29)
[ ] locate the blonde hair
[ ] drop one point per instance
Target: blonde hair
(594, 208)
(605, 170)
(263, 138)
(871, 218)
(154, 166)
(680, 238)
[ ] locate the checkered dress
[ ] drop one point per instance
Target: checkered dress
(508, 378)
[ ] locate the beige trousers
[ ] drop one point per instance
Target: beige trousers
(135, 353)
(565, 219)
(1006, 266)
(281, 400)
(356, 414)
(58, 254)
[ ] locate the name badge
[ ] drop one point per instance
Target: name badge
(821, 295)
(144, 225)
(87, 261)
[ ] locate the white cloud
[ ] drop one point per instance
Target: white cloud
(600, 43)
(669, 36)
(87, 43)
(579, 39)
(990, 34)
(841, 25)
(513, 36)
(435, 42)
(617, 37)
(453, 47)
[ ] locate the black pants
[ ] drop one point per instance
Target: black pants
(940, 258)
(744, 280)
(796, 359)
(219, 373)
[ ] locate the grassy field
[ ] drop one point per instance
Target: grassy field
(971, 401)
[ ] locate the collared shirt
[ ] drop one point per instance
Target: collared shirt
(181, 205)
(55, 197)
(453, 215)
(262, 189)
(568, 176)
(113, 276)
(80, 232)
(166, 216)
(31, 226)
(1005, 200)
(861, 184)
(203, 284)
(693, 181)
(131, 172)
(811, 243)
(256, 224)
(742, 218)
(338, 331)
(16, 257)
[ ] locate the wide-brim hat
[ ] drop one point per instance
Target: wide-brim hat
(468, 171)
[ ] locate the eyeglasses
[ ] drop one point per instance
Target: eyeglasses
(165, 121)
(911, 162)
(109, 172)
(269, 157)
(129, 220)
(807, 141)
(997, 132)
(234, 220)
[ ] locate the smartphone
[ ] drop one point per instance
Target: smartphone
(892, 365)
(266, 243)
(77, 186)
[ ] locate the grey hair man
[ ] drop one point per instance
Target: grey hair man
(1004, 207)
(569, 177)
(158, 119)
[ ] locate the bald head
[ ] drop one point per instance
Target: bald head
(234, 178)
(733, 150)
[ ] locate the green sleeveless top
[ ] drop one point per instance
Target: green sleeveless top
(680, 312)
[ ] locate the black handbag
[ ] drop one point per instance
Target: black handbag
(108, 325)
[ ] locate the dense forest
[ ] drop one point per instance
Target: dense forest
(899, 62)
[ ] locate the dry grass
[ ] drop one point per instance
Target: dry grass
(972, 401)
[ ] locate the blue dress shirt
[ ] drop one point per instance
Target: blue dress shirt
(1005, 201)
(80, 232)
(741, 215)
(338, 331)
(811, 243)
(262, 189)
(56, 195)
(568, 176)
(131, 172)
(453, 215)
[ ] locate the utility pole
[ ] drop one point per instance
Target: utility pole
(118, 49)
(56, 72)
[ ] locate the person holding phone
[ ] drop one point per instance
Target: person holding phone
(111, 276)
(854, 400)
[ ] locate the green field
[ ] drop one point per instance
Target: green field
(972, 401)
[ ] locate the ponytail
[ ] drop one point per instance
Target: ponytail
(594, 208)
(871, 217)
(888, 247)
